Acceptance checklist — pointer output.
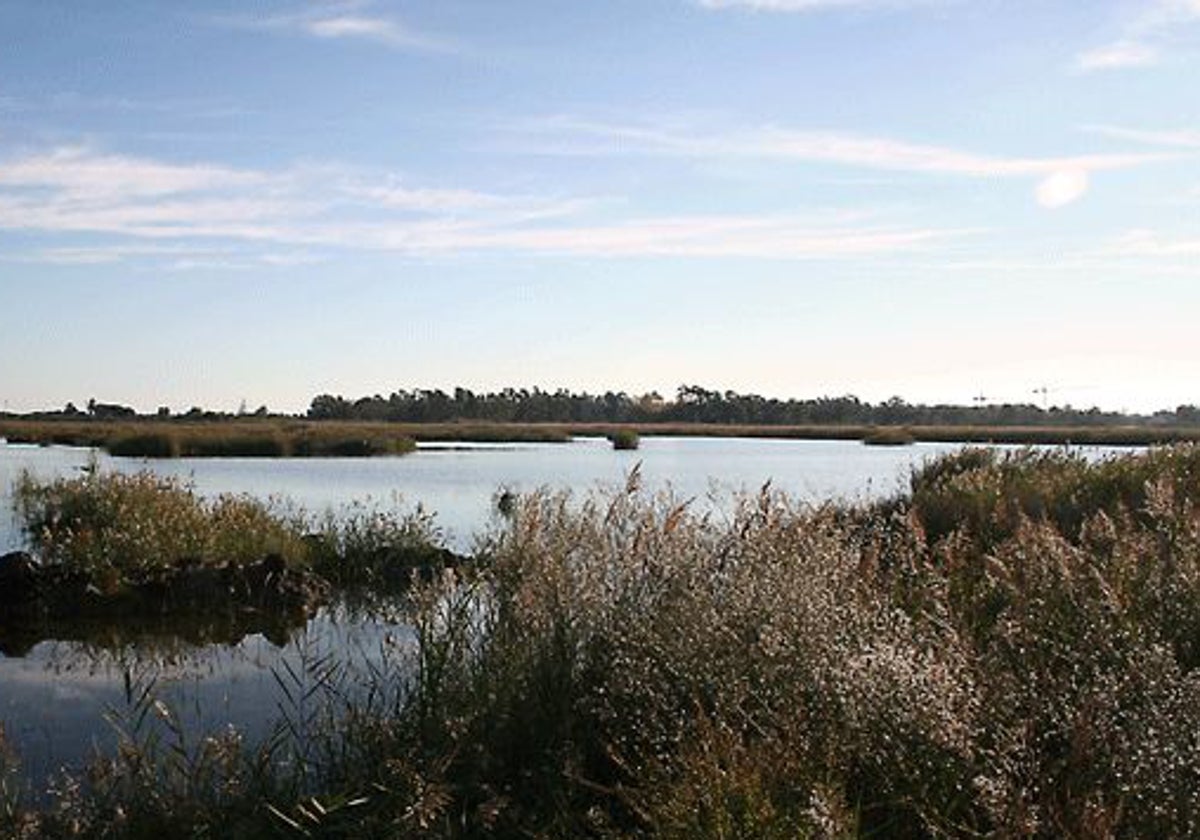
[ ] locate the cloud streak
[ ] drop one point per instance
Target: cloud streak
(1145, 38)
(345, 21)
(195, 213)
(1118, 55)
(1062, 179)
(810, 6)
(1152, 244)
(1181, 139)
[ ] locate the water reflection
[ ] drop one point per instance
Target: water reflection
(60, 696)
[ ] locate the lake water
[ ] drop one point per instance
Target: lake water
(458, 483)
(53, 698)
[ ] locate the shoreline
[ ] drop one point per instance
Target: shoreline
(283, 437)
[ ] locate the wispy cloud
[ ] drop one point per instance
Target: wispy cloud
(813, 5)
(345, 21)
(718, 236)
(203, 215)
(1145, 37)
(1118, 55)
(1062, 179)
(1181, 139)
(1154, 244)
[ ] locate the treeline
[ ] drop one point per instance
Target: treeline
(694, 404)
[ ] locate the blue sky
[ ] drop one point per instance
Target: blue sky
(207, 202)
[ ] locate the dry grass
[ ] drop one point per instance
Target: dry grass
(117, 530)
(1011, 650)
(273, 437)
(241, 438)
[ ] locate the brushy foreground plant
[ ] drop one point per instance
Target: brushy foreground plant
(1010, 650)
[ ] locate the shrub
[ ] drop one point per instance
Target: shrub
(624, 439)
(129, 528)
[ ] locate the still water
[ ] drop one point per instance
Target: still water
(458, 482)
(55, 697)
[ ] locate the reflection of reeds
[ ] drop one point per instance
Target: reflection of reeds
(1010, 649)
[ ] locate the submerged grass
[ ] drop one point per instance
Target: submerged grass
(1011, 649)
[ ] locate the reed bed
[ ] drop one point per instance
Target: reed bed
(1019, 435)
(113, 531)
(257, 439)
(275, 437)
(1010, 649)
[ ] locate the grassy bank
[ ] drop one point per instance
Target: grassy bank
(1019, 435)
(114, 534)
(273, 437)
(250, 438)
(1009, 649)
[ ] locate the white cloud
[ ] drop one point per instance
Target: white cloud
(1144, 38)
(205, 216)
(1153, 244)
(346, 20)
(713, 236)
(81, 174)
(565, 135)
(1062, 188)
(812, 5)
(1184, 139)
(1118, 55)
(389, 32)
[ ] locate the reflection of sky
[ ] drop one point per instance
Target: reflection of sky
(56, 703)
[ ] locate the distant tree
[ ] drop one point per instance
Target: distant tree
(109, 411)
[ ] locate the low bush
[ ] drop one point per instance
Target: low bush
(624, 439)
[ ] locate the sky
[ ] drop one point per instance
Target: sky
(218, 203)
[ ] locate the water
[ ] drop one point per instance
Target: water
(53, 698)
(458, 483)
